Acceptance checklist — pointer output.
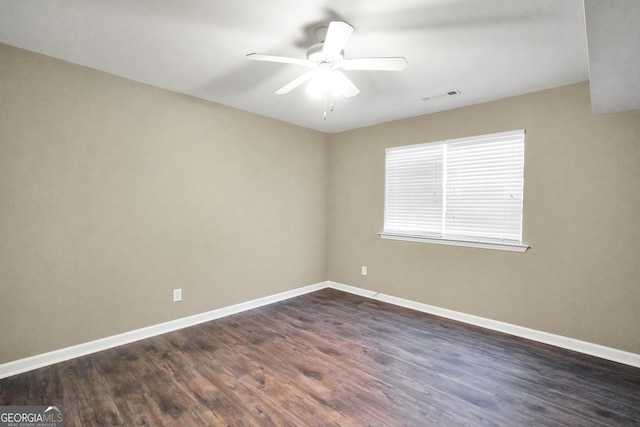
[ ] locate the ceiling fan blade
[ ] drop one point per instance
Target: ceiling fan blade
(375, 64)
(294, 83)
(349, 89)
(272, 58)
(337, 35)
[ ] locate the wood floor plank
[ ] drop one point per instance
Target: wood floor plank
(334, 359)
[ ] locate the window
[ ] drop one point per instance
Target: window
(465, 191)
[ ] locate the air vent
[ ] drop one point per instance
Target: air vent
(442, 95)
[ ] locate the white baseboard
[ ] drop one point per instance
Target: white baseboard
(584, 347)
(56, 356)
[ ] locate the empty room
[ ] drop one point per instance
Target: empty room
(321, 213)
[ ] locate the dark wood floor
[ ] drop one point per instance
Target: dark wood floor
(334, 359)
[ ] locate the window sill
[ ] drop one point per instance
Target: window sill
(484, 245)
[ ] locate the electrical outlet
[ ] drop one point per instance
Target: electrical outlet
(177, 295)
(364, 270)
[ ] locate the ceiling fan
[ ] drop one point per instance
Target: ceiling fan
(325, 60)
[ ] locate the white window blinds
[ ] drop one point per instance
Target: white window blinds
(468, 189)
(413, 202)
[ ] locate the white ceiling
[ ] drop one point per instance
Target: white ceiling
(487, 49)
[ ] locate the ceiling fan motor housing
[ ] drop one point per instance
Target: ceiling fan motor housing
(317, 56)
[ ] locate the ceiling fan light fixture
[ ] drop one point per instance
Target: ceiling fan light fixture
(327, 81)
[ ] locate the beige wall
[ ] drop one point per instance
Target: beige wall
(112, 193)
(581, 277)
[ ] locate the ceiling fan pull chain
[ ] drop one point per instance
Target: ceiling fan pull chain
(324, 103)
